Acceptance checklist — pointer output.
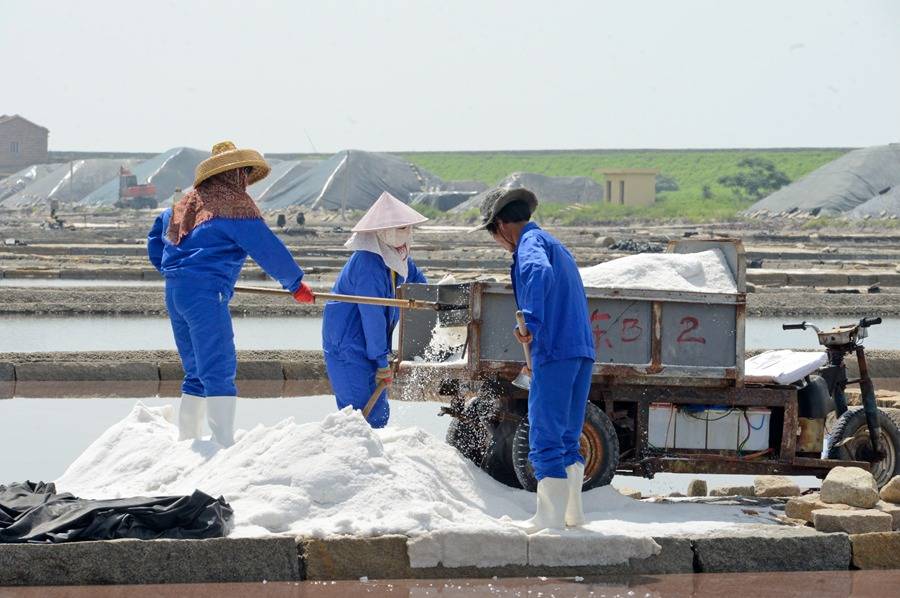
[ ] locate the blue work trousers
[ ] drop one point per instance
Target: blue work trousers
(556, 405)
(353, 382)
(205, 340)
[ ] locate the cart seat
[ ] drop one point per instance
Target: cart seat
(782, 366)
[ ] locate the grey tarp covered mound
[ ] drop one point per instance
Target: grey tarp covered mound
(549, 189)
(35, 513)
(886, 205)
(19, 180)
(441, 200)
(838, 186)
(86, 177)
(281, 178)
(169, 170)
(352, 179)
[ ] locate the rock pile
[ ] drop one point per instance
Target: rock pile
(849, 502)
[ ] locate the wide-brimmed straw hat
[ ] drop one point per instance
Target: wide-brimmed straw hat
(388, 212)
(226, 156)
(497, 199)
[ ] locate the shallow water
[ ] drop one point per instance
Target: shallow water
(110, 333)
(821, 584)
(41, 437)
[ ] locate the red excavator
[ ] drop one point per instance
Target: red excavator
(134, 196)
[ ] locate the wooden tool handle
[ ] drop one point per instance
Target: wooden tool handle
(374, 399)
(387, 302)
(523, 330)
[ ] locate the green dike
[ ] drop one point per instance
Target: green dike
(691, 169)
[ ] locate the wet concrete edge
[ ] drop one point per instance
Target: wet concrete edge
(387, 557)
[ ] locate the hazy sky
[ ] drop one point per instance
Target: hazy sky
(453, 75)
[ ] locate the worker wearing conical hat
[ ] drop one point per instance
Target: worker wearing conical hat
(549, 291)
(199, 245)
(357, 338)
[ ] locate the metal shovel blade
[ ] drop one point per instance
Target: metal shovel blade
(522, 381)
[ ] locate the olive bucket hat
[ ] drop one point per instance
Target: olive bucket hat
(498, 198)
(226, 156)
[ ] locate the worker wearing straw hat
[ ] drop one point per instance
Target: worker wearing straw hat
(549, 291)
(199, 245)
(357, 338)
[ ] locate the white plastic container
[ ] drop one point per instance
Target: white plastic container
(662, 425)
(757, 434)
(690, 429)
(722, 429)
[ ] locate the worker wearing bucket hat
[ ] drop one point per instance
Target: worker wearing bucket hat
(199, 245)
(357, 338)
(549, 291)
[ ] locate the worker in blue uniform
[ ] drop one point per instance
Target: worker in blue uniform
(549, 291)
(356, 338)
(199, 245)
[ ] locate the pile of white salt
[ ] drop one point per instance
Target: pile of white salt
(701, 272)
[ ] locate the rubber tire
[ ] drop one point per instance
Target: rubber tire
(850, 423)
(498, 459)
(598, 471)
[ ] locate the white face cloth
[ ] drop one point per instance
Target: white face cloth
(392, 244)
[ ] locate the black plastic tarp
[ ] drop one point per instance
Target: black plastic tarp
(441, 200)
(35, 513)
(839, 186)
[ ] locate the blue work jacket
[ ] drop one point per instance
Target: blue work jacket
(356, 331)
(212, 255)
(550, 293)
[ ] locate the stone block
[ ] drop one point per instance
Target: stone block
(856, 521)
(774, 549)
(802, 507)
(774, 485)
(171, 370)
(765, 277)
(733, 491)
(83, 372)
(876, 550)
(891, 509)
(345, 557)
(260, 370)
(851, 486)
(890, 492)
(150, 562)
(7, 372)
(697, 488)
(304, 370)
(458, 548)
(585, 548)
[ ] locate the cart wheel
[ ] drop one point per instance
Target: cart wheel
(469, 435)
(849, 440)
(599, 447)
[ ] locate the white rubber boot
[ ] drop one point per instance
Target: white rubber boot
(575, 508)
(552, 496)
(220, 415)
(190, 417)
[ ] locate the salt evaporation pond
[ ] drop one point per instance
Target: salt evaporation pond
(112, 333)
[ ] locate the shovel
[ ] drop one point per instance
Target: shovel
(401, 303)
(523, 380)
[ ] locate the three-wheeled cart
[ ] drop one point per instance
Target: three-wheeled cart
(669, 391)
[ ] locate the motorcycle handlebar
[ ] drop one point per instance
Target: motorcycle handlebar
(866, 322)
(800, 326)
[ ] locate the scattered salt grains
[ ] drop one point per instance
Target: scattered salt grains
(339, 476)
(702, 272)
